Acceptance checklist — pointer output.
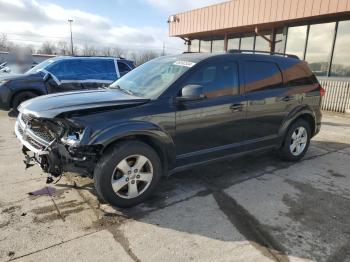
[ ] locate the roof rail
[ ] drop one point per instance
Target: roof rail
(97, 56)
(233, 51)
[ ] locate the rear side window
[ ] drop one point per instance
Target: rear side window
(261, 76)
(217, 79)
(123, 68)
(299, 74)
(99, 69)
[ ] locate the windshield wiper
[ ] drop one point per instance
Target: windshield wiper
(125, 90)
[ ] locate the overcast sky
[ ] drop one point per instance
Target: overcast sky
(125, 23)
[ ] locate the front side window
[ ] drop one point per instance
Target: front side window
(319, 47)
(296, 41)
(64, 69)
(261, 76)
(151, 79)
(341, 57)
(217, 80)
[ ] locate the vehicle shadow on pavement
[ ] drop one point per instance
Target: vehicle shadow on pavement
(189, 201)
(196, 202)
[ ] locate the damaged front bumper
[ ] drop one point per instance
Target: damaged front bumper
(53, 156)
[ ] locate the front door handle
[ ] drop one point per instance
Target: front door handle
(236, 107)
(287, 98)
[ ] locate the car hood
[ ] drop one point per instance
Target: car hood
(19, 76)
(9, 76)
(50, 106)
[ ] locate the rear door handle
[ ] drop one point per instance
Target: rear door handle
(236, 107)
(287, 98)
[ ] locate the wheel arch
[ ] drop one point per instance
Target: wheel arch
(304, 113)
(34, 91)
(147, 133)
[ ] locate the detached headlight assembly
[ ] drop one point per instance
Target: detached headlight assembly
(72, 138)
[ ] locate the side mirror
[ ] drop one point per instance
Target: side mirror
(191, 93)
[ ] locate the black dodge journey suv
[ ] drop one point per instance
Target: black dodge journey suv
(170, 114)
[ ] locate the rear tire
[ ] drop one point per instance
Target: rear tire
(21, 97)
(127, 174)
(296, 141)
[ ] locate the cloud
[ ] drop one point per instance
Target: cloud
(176, 6)
(30, 22)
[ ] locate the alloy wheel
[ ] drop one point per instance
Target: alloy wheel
(132, 176)
(298, 141)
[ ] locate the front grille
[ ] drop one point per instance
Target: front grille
(20, 130)
(42, 133)
(26, 118)
(29, 139)
(37, 128)
(34, 143)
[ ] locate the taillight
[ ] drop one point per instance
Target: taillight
(322, 91)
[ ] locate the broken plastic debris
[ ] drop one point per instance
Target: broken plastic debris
(44, 191)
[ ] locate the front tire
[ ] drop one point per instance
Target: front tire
(21, 97)
(296, 141)
(127, 174)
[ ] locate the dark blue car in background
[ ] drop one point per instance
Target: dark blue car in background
(61, 74)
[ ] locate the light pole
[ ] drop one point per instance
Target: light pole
(71, 36)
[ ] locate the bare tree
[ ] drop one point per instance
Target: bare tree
(106, 51)
(143, 57)
(4, 43)
(63, 48)
(89, 50)
(118, 52)
(29, 49)
(48, 48)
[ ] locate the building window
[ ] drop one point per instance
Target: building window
(247, 43)
(279, 41)
(341, 57)
(218, 45)
(205, 46)
(319, 47)
(296, 40)
(233, 43)
(194, 47)
(261, 44)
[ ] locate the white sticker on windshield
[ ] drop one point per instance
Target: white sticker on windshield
(184, 63)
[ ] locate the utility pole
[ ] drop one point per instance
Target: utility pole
(71, 36)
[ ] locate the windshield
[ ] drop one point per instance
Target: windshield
(40, 66)
(152, 78)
